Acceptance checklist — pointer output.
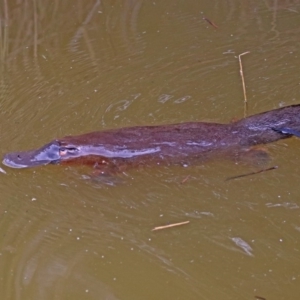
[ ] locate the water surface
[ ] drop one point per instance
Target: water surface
(69, 67)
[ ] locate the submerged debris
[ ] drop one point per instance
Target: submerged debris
(210, 22)
(242, 244)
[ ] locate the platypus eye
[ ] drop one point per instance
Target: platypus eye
(68, 150)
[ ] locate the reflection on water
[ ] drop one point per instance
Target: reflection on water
(69, 67)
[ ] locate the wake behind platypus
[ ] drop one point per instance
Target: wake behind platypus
(118, 149)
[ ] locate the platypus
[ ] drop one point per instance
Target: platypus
(181, 143)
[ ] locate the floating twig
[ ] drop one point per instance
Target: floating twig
(243, 83)
(170, 225)
(185, 179)
(210, 22)
(252, 173)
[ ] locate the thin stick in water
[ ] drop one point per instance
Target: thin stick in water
(243, 83)
(252, 173)
(170, 225)
(210, 22)
(185, 179)
(78, 34)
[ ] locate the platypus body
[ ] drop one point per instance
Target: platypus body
(116, 149)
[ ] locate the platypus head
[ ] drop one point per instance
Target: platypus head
(51, 153)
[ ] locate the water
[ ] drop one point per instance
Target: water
(77, 66)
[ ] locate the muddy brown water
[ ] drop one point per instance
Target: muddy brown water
(69, 67)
